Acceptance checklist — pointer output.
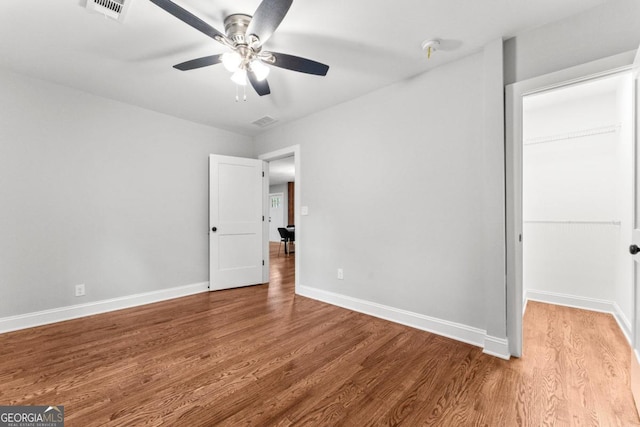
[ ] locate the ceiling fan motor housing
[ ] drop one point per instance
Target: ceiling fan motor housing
(236, 27)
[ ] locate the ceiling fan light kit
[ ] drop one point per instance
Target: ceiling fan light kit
(245, 37)
(259, 69)
(239, 77)
(231, 61)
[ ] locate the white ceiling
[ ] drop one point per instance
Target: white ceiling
(368, 45)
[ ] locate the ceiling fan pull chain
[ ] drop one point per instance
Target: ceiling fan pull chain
(237, 96)
(244, 88)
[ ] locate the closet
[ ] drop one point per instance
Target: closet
(577, 195)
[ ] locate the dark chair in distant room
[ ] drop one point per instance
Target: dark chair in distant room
(286, 237)
(292, 237)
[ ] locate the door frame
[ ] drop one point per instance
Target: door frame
(294, 151)
(514, 94)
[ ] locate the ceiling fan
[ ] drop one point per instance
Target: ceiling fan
(245, 37)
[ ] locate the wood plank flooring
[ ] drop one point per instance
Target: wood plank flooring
(263, 356)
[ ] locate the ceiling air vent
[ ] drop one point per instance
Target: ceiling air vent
(114, 9)
(264, 122)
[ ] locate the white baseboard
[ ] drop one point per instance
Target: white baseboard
(498, 347)
(584, 303)
(623, 322)
(39, 318)
(494, 346)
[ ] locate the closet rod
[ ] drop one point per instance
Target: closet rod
(616, 223)
(573, 135)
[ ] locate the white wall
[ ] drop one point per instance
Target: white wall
(583, 180)
(98, 192)
(395, 186)
(413, 152)
(597, 33)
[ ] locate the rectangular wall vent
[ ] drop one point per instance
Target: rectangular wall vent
(264, 122)
(114, 9)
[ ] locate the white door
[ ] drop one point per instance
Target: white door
(634, 249)
(235, 221)
(276, 215)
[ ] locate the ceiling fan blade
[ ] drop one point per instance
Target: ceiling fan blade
(188, 18)
(295, 63)
(267, 17)
(205, 61)
(261, 87)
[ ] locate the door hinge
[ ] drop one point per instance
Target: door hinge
(520, 237)
(262, 262)
(263, 174)
(262, 218)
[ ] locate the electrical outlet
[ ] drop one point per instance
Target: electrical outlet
(340, 274)
(80, 290)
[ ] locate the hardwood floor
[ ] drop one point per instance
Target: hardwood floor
(263, 356)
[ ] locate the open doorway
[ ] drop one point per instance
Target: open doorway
(577, 196)
(514, 105)
(282, 183)
(282, 236)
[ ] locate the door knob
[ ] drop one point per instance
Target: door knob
(214, 229)
(634, 249)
